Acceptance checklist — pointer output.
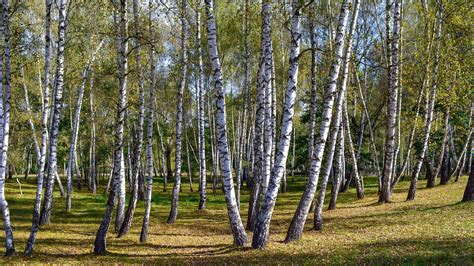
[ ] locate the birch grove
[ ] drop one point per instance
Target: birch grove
(173, 116)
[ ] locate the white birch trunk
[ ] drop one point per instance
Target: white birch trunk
(260, 174)
(261, 234)
(179, 121)
(44, 134)
(201, 111)
(5, 127)
(243, 135)
(118, 176)
(385, 195)
(188, 164)
(297, 224)
(55, 117)
(30, 116)
(267, 86)
(127, 221)
(240, 237)
(313, 107)
(150, 118)
(274, 111)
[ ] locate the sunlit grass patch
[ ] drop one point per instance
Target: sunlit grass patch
(435, 228)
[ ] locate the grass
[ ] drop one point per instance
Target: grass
(434, 229)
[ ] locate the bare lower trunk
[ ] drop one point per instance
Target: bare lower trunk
(267, 86)
(188, 162)
(445, 167)
(120, 190)
(60, 184)
(92, 159)
(312, 119)
(328, 168)
(164, 154)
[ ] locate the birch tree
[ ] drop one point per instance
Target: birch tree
(385, 195)
(297, 224)
(127, 222)
(238, 232)
(44, 134)
(121, 21)
(179, 120)
(201, 111)
(359, 182)
(55, 116)
(267, 85)
(259, 160)
(243, 135)
(336, 135)
(5, 106)
(338, 168)
(261, 234)
(410, 140)
(150, 122)
(312, 118)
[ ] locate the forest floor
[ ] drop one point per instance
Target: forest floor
(435, 228)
